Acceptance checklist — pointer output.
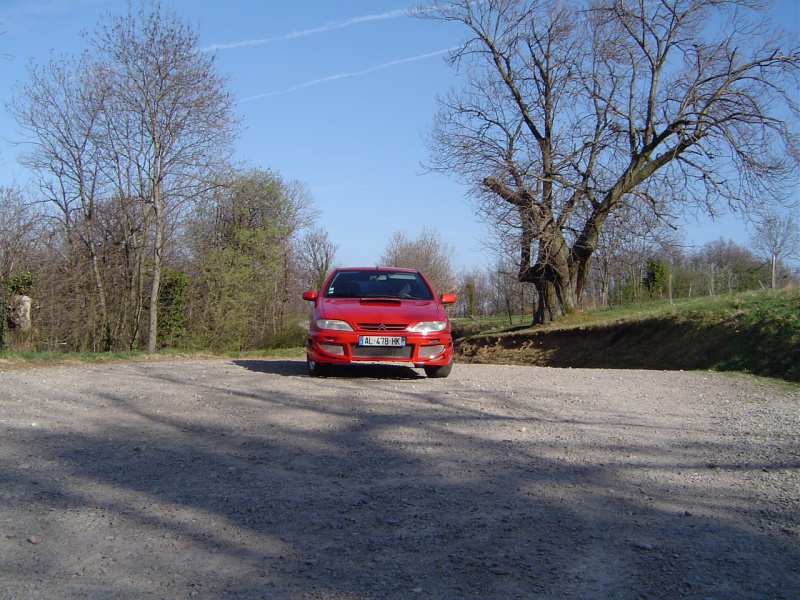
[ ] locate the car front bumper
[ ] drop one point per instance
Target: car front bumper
(433, 349)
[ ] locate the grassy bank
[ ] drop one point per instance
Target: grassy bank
(753, 332)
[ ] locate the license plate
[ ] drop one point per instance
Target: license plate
(381, 340)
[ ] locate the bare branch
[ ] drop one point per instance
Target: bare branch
(566, 114)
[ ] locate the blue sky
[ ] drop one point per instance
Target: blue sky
(337, 95)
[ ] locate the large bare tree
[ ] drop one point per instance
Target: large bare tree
(170, 121)
(568, 108)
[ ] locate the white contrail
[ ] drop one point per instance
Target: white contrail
(345, 75)
(296, 34)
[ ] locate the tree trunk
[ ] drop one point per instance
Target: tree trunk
(555, 277)
(152, 338)
(101, 298)
(774, 271)
(548, 309)
(556, 292)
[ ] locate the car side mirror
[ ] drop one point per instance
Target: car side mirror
(309, 295)
(448, 298)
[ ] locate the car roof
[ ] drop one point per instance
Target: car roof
(397, 269)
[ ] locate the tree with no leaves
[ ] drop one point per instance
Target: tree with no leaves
(428, 254)
(170, 122)
(315, 256)
(570, 108)
(142, 120)
(60, 110)
(775, 237)
(20, 240)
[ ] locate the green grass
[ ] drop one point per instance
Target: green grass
(44, 358)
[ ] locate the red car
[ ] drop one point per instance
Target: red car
(379, 314)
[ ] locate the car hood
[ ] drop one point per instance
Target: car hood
(380, 310)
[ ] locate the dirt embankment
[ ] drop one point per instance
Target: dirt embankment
(667, 343)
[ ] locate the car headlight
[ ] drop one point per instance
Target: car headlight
(426, 326)
(333, 324)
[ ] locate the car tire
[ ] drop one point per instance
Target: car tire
(318, 369)
(442, 371)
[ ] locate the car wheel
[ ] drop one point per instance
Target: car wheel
(442, 371)
(318, 369)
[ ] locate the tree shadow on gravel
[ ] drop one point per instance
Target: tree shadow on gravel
(289, 368)
(218, 484)
(344, 371)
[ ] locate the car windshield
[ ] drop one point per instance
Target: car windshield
(358, 283)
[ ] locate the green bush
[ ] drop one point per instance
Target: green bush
(293, 336)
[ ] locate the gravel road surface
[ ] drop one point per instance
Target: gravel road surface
(217, 478)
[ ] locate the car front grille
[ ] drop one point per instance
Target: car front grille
(382, 326)
(380, 352)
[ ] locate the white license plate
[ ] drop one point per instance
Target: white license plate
(381, 340)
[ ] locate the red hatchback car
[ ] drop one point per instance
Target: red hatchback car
(379, 314)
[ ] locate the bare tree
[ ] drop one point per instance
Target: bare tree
(474, 293)
(631, 237)
(169, 118)
(775, 237)
(511, 296)
(19, 233)
(60, 111)
(315, 255)
(735, 267)
(140, 124)
(568, 109)
(20, 256)
(427, 253)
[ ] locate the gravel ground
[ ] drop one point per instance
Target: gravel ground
(246, 479)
